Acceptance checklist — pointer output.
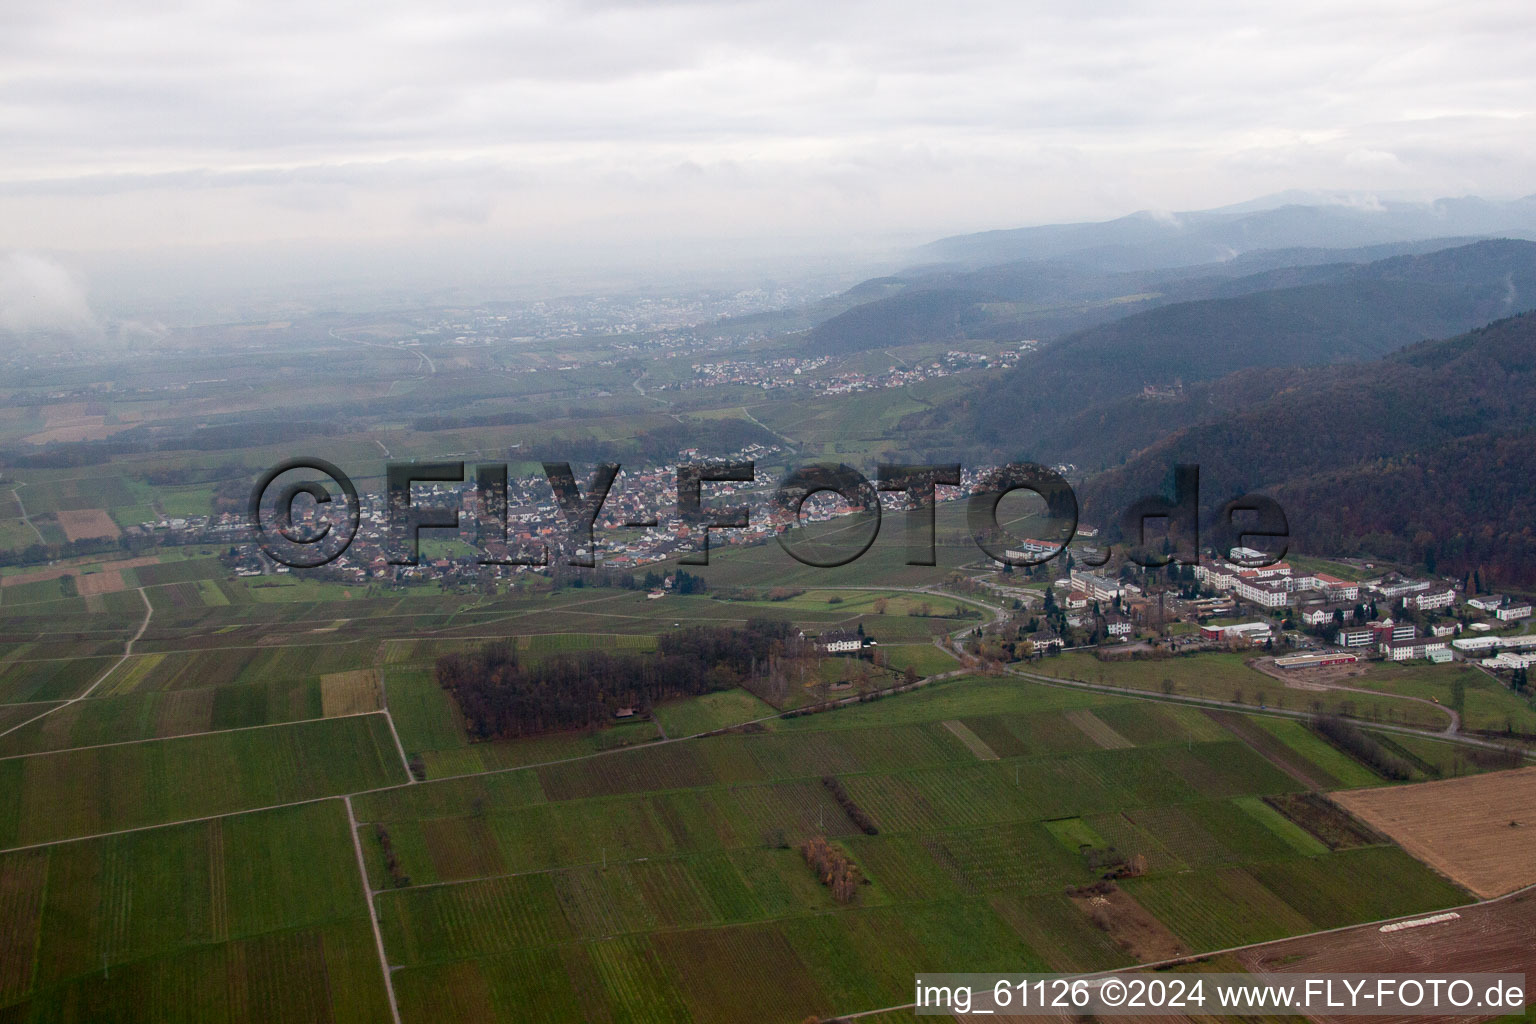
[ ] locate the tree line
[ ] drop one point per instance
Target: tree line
(1353, 740)
(500, 697)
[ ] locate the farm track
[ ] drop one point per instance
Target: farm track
(782, 437)
(842, 702)
(1451, 729)
(16, 493)
(373, 914)
(1245, 731)
(149, 612)
(999, 614)
(1213, 702)
(185, 735)
(393, 732)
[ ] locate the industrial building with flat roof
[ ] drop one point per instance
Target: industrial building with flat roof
(1315, 660)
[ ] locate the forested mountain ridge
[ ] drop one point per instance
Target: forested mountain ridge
(1047, 299)
(1362, 313)
(1426, 455)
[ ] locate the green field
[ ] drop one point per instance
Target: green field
(162, 714)
(623, 870)
(1226, 677)
(1487, 704)
(252, 918)
(711, 711)
(641, 871)
(59, 795)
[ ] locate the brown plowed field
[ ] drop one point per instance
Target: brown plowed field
(89, 522)
(1479, 830)
(1493, 937)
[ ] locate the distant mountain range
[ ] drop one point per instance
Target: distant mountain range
(1288, 349)
(1046, 299)
(1084, 399)
(1145, 241)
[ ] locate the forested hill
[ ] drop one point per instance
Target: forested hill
(1360, 314)
(1427, 455)
(1047, 299)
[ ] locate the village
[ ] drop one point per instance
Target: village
(814, 375)
(1297, 618)
(1306, 619)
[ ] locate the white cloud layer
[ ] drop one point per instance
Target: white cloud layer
(542, 123)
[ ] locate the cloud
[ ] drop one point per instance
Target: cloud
(540, 122)
(457, 207)
(135, 333)
(1373, 159)
(39, 296)
(1366, 202)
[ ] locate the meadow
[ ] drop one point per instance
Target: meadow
(588, 884)
(251, 918)
(638, 872)
(1228, 677)
(62, 794)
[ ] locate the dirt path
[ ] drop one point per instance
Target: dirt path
(373, 913)
(1213, 702)
(16, 493)
(1267, 667)
(149, 612)
(786, 439)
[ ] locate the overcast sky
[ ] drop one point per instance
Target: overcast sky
(172, 124)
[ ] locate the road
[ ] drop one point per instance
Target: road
(373, 913)
(16, 493)
(1173, 698)
(431, 366)
(782, 437)
(149, 612)
(1452, 731)
(1455, 716)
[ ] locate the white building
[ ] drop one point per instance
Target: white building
(1477, 644)
(1513, 611)
(1355, 636)
(1264, 593)
(1429, 600)
(839, 641)
(1322, 614)
(1098, 588)
(1337, 589)
(1253, 632)
(1410, 650)
(1395, 587)
(1510, 660)
(1030, 550)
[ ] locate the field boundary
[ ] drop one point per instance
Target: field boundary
(1190, 958)
(373, 914)
(149, 613)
